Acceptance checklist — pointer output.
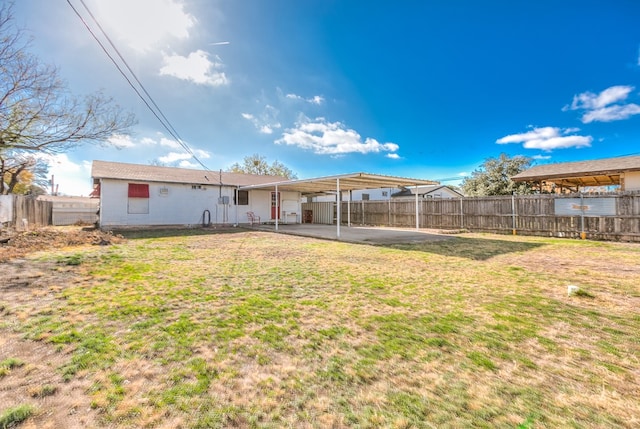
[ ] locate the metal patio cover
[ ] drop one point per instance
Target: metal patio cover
(343, 182)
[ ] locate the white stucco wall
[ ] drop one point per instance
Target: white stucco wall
(180, 204)
(632, 181)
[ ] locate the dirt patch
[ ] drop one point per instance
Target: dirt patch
(38, 382)
(20, 244)
(27, 285)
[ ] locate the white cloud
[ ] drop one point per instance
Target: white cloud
(170, 143)
(120, 141)
(589, 100)
(606, 106)
(172, 157)
(541, 157)
(266, 122)
(316, 99)
(144, 24)
(188, 164)
(196, 68)
(71, 178)
(393, 156)
(611, 113)
(548, 139)
(331, 138)
(203, 154)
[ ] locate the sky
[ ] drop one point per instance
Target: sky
(421, 89)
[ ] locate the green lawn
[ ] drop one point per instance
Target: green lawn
(254, 329)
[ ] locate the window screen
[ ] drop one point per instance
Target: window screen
(243, 198)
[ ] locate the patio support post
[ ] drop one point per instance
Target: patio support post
(349, 209)
(338, 207)
(277, 207)
(235, 200)
(417, 210)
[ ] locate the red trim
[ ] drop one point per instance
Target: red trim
(138, 190)
(96, 192)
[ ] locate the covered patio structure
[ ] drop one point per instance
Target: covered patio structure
(339, 184)
(622, 171)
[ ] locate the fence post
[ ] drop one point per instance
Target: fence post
(417, 210)
(513, 212)
(461, 215)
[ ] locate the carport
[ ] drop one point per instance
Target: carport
(339, 184)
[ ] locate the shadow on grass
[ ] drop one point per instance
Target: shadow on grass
(133, 234)
(477, 249)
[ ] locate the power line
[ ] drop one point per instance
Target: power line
(155, 110)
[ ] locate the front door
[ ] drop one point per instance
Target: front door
(275, 205)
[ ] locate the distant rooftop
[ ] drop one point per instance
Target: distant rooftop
(599, 172)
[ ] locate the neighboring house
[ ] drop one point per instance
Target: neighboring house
(356, 195)
(622, 171)
(384, 194)
(429, 191)
(146, 195)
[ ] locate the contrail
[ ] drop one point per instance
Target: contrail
(219, 43)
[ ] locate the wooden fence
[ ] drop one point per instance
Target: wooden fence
(27, 212)
(601, 216)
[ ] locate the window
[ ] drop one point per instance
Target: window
(365, 197)
(385, 193)
(138, 198)
(242, 198)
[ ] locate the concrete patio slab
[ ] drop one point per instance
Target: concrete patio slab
(358, 234)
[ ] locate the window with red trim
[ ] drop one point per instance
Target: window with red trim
(138, 190)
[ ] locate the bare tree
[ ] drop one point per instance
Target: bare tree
(21, 172)
(37, 112)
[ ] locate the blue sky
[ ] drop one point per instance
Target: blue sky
(425, 89)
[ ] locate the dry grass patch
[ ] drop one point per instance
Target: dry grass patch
(253, 329)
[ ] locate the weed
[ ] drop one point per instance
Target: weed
(481, 360)
(583, 293)
(43, 391)
(11, 363)
(15, 415)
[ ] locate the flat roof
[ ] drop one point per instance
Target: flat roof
(342, 182)
(599, 172)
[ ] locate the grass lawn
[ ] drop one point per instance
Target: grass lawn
(254, 329)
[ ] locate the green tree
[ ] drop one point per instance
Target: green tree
(37, 112)
(494, 177)
(257, 164)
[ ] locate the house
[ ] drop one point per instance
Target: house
(146, 195)
(428, 191)
(133, 195)
(622, 171)
(433, 190)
